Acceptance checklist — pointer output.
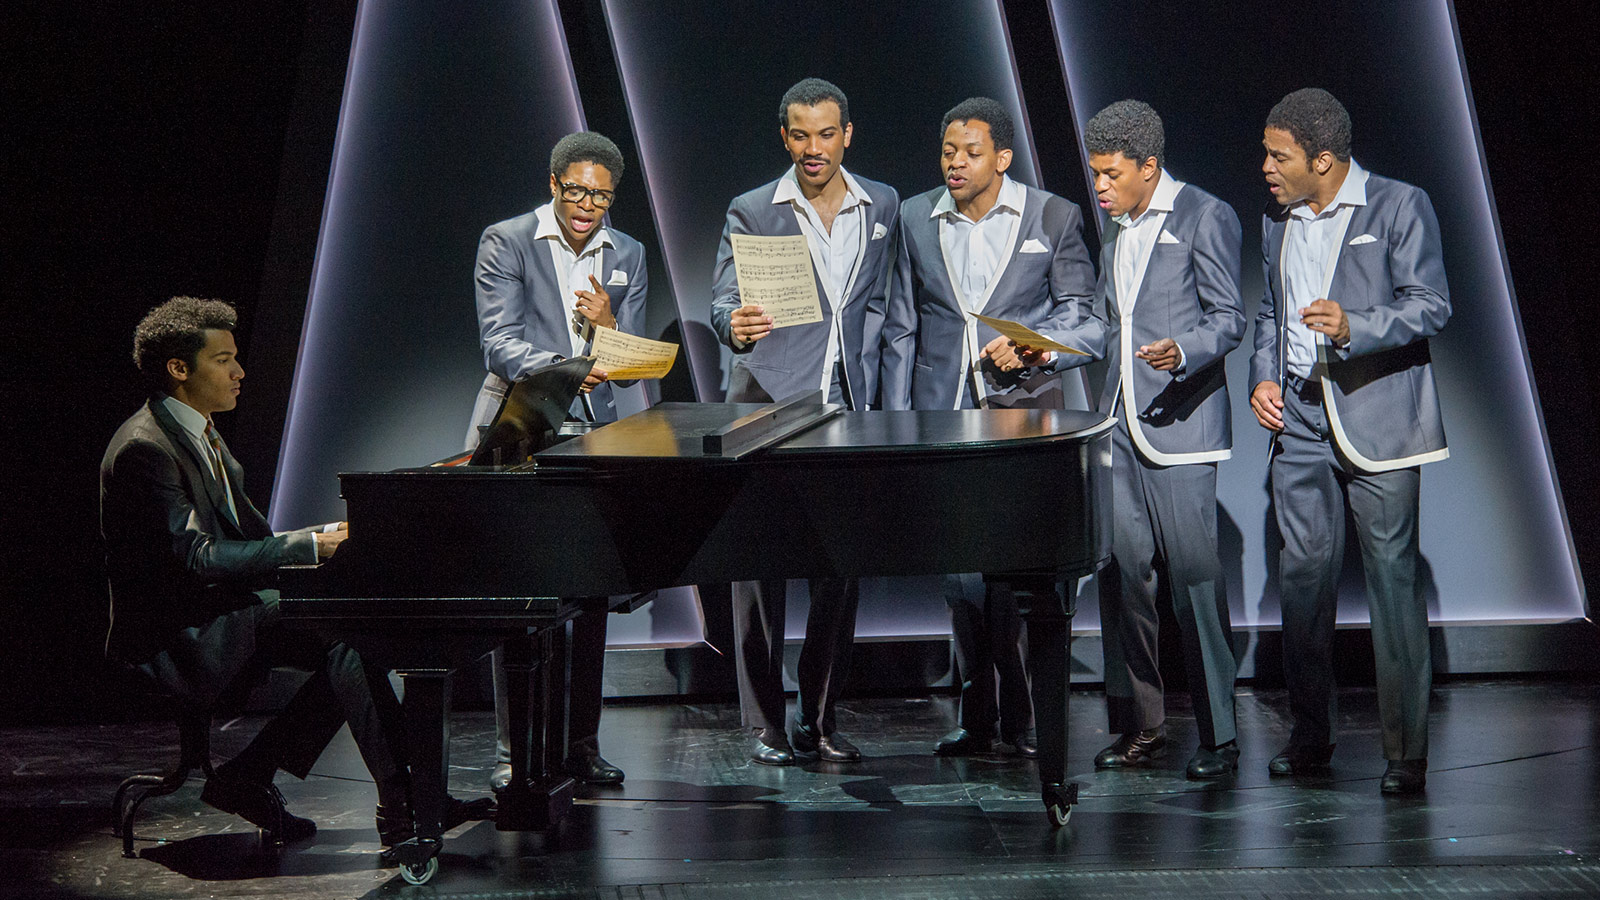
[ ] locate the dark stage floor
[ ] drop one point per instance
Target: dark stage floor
(1510, 811)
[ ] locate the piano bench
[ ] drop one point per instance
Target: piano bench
(194, 752)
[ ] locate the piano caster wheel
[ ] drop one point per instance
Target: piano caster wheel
(1058, 802)
(420, 873)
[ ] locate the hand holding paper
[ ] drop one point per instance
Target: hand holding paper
(749, 324)
(775, 274)
(1023, 336)
(628, 356)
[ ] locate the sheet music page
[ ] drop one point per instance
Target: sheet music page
(1023, 336)
(627, 356)
(775, 274)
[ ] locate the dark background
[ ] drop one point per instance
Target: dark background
(156, 149)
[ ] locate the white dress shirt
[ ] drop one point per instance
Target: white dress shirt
(1309, 239)
(975, 250)
(1135, 242)
(975, 254)
(194, 427)
(572, 270)
(835, 251)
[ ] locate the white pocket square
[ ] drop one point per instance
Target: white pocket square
(1032, 245)
(879, 231)
(1362, 239)
(1166, 238)
(618, 277)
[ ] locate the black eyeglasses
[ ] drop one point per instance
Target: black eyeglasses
(574, 193)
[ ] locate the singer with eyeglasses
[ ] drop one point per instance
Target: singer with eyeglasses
(544, 281)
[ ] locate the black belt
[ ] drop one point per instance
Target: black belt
(1309, 389)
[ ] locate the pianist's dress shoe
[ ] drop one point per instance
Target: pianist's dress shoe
(259, 804)
(395, 826)
(771, 749)
(1405, 776)
(1208, 763)
(1023, 746)
(827, 747)
(962, 742)
(1301, 761)
(593, 769)
(500, 777)
(1133, 748)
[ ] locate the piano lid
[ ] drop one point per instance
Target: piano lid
(679, 430)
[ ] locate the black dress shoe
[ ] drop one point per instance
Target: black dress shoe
(259, 804)
(1133, 748)
(593, 770)
(395, 825)
(1405, 776)
(500, 777)
(1301, 761)
(962, 742)
(827, 747)
(1023, 746)
(1213, 762)
(769, 755)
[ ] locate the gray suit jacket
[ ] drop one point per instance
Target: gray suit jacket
(791, 360)
(1383, 405)
(1050, 291)
(523, 321)
(1191, 294)
(174, 558)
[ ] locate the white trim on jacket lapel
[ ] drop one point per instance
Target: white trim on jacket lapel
(1330, 398)
(1126, 364)
(862, 242)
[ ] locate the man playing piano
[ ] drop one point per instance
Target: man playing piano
(189, 559)
(545, 280)
(850, 225)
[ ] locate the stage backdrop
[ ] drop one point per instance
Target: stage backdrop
(448, 116)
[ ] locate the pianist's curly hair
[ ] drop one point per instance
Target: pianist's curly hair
(1316, 120)
(586, 147)
(991, 112)
(177, 330)
(1129, 127)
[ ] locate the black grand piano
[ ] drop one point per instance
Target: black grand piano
(446, 562)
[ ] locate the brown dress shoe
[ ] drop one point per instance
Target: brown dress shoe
(1133, 748)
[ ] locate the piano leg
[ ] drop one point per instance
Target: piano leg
(539, 794)
(556, 681)
(427, 715)
(1049, 621)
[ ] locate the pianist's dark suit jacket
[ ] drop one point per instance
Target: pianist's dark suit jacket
(173, 557)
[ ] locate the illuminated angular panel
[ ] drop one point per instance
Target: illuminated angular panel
(1495, 543)
(448, 117)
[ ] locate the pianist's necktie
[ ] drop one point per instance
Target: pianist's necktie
(215, 442)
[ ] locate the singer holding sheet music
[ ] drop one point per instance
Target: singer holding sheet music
(544, 281)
